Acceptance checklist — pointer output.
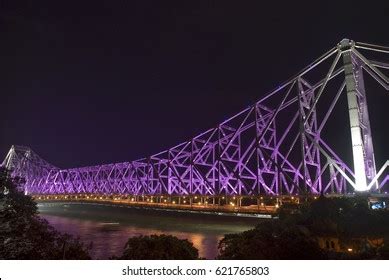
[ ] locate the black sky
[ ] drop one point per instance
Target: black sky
(90, 82)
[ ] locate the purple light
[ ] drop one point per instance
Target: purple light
(248, 154)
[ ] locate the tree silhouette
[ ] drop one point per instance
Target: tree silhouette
(270, 240)
(23, 234)
(159, 247)
(294, 234)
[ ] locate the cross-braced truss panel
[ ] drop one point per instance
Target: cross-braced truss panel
(276, 146)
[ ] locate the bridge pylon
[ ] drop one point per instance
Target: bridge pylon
(361, 137)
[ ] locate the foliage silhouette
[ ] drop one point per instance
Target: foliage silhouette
(159, 247)
(270, 240)
(23, 234)
(294, 235)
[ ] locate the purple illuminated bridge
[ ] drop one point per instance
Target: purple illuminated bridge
(277, 146)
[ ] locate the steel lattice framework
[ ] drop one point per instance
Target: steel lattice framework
(276, 146)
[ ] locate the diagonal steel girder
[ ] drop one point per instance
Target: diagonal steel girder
(276, 146)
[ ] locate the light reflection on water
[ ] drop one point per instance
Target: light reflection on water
(108, 228)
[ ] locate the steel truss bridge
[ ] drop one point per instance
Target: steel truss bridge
(278, 146)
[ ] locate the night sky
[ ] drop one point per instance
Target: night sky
(85, 83)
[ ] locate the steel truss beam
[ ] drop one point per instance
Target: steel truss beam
(274, 147)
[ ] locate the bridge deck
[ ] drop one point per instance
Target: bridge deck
(200, 204)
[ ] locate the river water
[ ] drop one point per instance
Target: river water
(109, 227)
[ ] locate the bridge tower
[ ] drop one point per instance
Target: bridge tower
(361, 137)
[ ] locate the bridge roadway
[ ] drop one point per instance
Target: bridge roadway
(222, 204)
(260, 206)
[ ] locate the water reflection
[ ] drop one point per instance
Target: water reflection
(108, 228)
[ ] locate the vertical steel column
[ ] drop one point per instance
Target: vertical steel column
(302, 133)
(370, 166)
(218, 158)
(362, 148)
(169, 174)
(191, 169)
(257, 132)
